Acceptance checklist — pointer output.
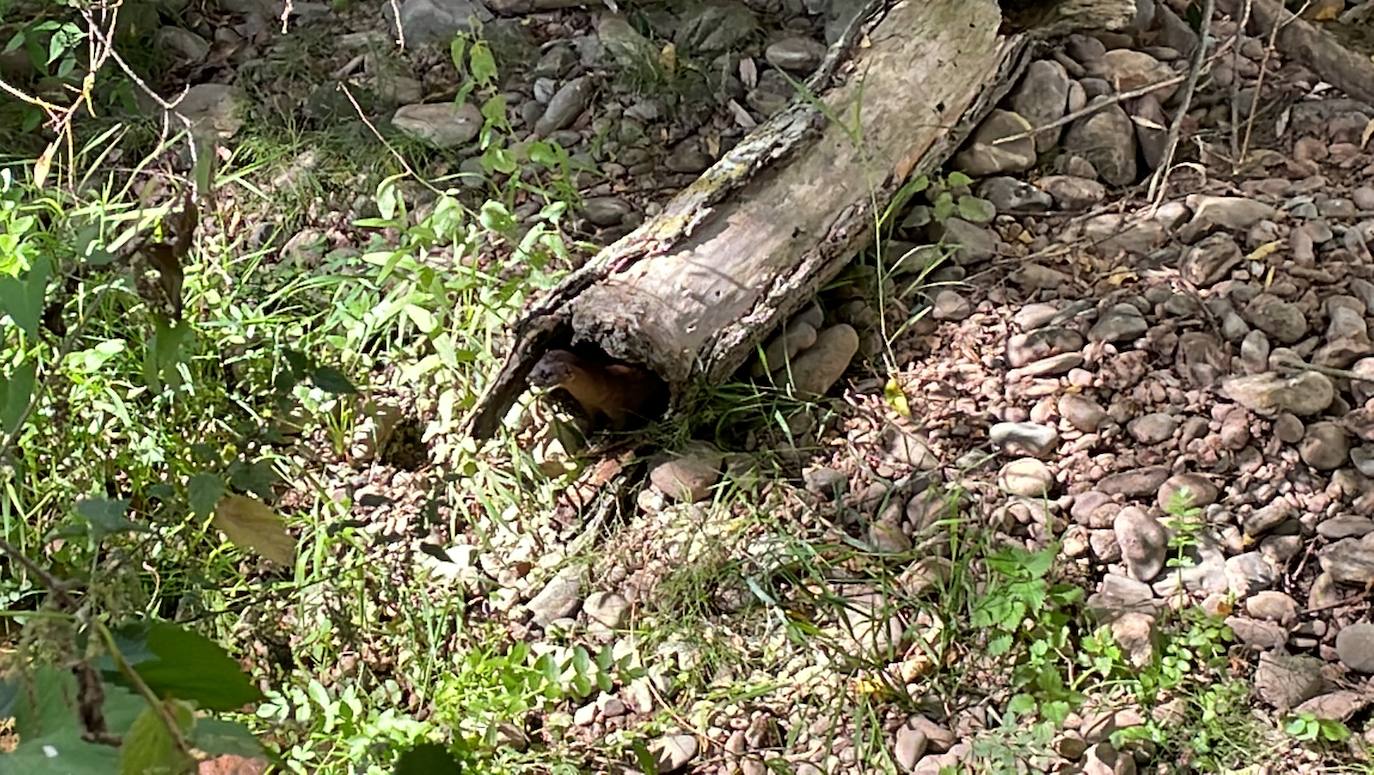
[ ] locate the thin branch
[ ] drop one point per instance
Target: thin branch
(1159, 182)
(397, 154)
(1330, 371)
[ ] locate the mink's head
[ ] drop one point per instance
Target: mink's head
(555, 368)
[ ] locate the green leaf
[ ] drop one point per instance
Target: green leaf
(22, 297)
(498, 159)
(164, 353)
(421, 317)
(105, 516)
(389, 200)
(972, 208)
(1021, 705)
(204, 490)
(957, 179)
(495, 217)
(176, 662)
(944, 206)
(149, 747)
(427, 759)
(64, 752)
(218, 737)
(331, 380)
(15, 393)
(456, 48)
(482, 63)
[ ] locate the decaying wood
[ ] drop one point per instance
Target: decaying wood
(691, 292)
(1309, 44)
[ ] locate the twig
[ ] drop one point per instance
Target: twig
(1116, 99)
(1259, 81)
(1352, 600)
(1330, 371)
(1159, 182)
(400, 28)
(405, 164)
(173, 728)
(54, 585)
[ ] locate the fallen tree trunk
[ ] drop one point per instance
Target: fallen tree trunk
(1307, 43)
(690, 293)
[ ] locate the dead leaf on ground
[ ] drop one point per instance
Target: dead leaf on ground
(250, 524)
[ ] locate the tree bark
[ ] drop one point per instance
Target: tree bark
(1309, 44)
(691, 292)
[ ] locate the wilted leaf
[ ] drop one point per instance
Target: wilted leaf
(177, 662)
(896, 398)
(164, 259)
(204, 491)
(1367, 133)
(1264, 251)
(149, 747)
(250, 524)
(43, 164)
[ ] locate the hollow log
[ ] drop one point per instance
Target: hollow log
(691, 292)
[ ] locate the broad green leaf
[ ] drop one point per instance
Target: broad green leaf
(1021, 704)
(482, 63)
(64, 752)
(250, 524)
(256, 477)
(495, 217)
(15, 393)
(105, 516)
(177, 662)
(203, 491)
(149, 748)
(218, 737)
(420, 316)
(427, 759)
(331, 380)
(388, 199)
(957, 179)
(164, 353)
(972, 208)
(22, 297)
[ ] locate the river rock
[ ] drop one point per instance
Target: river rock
(1303, 394)
(1107, 140)
(439, 124)
(1144, 543)
(817, 369)
(982, 157)
(1041, 98)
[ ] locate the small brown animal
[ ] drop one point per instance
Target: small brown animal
(619, 392)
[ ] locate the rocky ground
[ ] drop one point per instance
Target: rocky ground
(1175, 393)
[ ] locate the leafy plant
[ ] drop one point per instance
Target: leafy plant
(1029, 621)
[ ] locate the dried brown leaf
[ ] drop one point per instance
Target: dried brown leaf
(250, 524)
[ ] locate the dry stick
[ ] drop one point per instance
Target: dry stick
(400, 28)
(404, 164)
(1259, 81)
(1352, 600)
(1115, 99)
(1159, 182)
(1330, 371)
